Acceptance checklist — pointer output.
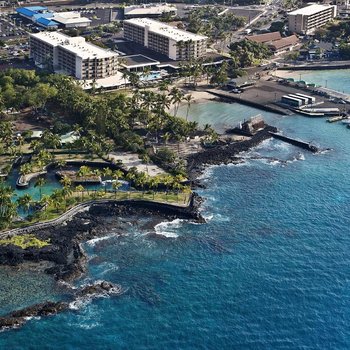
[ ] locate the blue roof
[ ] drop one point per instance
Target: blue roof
(43, 15)
(30, 11)
(46, 22)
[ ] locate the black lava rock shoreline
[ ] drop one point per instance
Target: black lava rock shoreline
(18, 318)
(196, 163)
(65, 250)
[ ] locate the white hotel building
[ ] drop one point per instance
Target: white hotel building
(305, 20)
(72, 56)
(175, 43)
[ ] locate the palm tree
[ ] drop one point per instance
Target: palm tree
(188, 99)
(80, 189)
(116, 184)
(25, 202)
(66, 183)
(83, 172)
(141, 180)
(56, 198)
(45, 202)
(40, 182)
(125, 76)
(106, 172)
(25, 169)
(8, 208)
(176, 98)
(153, 183)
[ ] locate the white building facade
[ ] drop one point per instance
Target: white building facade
(72, 56)
(305, 20)
(175, 43)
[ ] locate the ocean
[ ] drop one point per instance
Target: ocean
(338, 79)
(269, 270)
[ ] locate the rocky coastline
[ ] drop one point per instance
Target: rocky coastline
(65, 252)
(18, 318)
(225, 154)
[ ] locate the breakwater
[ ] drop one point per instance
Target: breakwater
(304, 145)
(318, 66)
(225, 154)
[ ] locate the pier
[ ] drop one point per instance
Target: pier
(302, 144)
(267, 95)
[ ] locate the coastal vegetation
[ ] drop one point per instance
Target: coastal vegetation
(248, 53)
(25, 241)
(101, 123)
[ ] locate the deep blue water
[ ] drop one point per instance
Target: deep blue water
(270, 269)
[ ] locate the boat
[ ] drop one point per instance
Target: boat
(346, 121)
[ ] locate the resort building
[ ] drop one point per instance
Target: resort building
(160, 37)
(72, 56)
(305, 20)
(149, 10)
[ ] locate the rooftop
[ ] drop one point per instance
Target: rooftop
(46, 22)
(137, 61)
(31, 10)
(76, 45)
(265, 38)
(310, 10)
(284, 42)
(165, 29)
(148, 9)
(70, 17)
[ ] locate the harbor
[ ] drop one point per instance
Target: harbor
(271, 95)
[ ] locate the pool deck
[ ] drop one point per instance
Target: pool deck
(132, 160)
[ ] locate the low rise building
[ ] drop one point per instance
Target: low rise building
(149, 10)
(265, 38)
(275, 42)
(72, 56)
(47, 19)
(305, 20)
(71, 19)
(160, 37)
(284, 44)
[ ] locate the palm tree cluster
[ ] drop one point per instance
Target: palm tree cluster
(8, 209)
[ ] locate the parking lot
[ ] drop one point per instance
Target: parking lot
(11, 28)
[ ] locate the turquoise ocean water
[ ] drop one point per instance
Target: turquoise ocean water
(338, 80)
(269, 270)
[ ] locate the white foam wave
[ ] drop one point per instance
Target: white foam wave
(94, 241)
(109, 267)
(168, 228)
(208, 217)
(79, 303)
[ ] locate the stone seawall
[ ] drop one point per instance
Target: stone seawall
(225, 154)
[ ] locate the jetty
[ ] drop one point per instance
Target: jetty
(337, 118)
(295, 142)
